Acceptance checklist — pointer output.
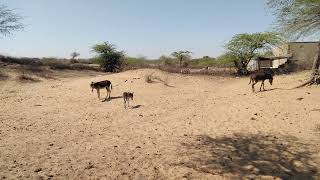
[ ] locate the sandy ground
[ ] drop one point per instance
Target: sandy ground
(198, 127)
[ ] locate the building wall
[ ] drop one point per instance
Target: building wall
(303, 53)
(282, 50)
(265, 64)
(253, 65)
(278, 62)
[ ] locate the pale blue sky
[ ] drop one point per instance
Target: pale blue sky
(151, 28)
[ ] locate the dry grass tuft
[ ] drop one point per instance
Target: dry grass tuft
(3, 76)
(27, 78)
(166, 81)
(149, 78)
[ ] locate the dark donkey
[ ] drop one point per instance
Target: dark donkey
(100, 85)
(261, 75)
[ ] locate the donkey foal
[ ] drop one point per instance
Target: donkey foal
(126, 97)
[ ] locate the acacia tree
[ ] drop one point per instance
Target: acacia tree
(181, 56)
(244, 47)
(299, 18)
(9, 21)
(108, 57)
(74, 55)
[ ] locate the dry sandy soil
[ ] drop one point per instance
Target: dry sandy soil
(198, 127)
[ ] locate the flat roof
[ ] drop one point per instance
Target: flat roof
(305, 42)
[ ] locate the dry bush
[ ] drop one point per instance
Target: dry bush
(27, 78)
(79, 66)
(166, 81)
(3, 76)
(212, 71)
(73, 61)
(84, 61)
(63, 64)
(33, 69)
(37, 66)
(22, 60)
(39, 71)
(149, 78)
(170, 69)
(60, 66)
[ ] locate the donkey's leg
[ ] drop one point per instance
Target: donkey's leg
(253, 83)
(261, 84)
(98, 92)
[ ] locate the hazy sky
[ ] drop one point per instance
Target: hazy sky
(55, 28)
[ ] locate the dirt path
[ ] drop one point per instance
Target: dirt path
(201, 128)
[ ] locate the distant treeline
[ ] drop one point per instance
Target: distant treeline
(52, 63)
(206, 61)
(128, 63)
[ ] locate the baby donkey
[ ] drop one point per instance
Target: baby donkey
(126, 97)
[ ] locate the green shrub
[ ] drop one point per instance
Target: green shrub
(168, 61)
(108, 57)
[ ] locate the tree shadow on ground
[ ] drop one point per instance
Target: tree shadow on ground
(251, 156)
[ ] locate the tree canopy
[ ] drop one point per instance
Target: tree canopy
(181, 56)
(297, 18)
(108, 57)
(244, 47)
(300, 18)
(9, 21)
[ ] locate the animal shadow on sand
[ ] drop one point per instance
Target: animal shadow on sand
(111, 98)
(271, 89)
(250, 156)
(136, 106)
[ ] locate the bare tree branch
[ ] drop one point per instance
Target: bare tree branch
(297, 18)
(9, 21)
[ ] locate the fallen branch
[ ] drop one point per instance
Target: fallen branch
(309, 82)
